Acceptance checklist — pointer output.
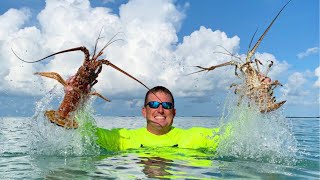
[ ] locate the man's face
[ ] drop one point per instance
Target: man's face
(159, 120)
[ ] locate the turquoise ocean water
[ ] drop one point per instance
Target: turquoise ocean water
(265, 149)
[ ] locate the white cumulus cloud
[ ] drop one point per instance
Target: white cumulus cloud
(149, 51)
(308, 52)
(294, 91)
(317, 73)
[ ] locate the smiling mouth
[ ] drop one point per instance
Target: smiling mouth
(160, 117)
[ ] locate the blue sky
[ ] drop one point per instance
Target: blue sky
(163, 40)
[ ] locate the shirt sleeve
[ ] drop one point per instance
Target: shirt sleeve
(108, 138)
(199, 137)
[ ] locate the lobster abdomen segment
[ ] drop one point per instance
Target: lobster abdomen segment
(69, 103)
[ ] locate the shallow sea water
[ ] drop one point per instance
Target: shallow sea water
(40, 150)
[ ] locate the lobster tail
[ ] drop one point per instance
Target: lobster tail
(63, 122)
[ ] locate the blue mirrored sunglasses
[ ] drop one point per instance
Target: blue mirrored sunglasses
(156, 104)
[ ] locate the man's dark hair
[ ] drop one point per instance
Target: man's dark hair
(158, 89)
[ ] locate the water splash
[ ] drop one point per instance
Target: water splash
(251, 135)
(49, 139)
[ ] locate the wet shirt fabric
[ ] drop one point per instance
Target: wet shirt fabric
(124, 139)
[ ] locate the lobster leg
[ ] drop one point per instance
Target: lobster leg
(93, 83)
(214, 67)
(99, 95)
(235, 71)
(257, 63)
(235, 89)
(275, 84)
(239, 99)
(268, 69)
(272, 107)
(53, 75)
(232, 85)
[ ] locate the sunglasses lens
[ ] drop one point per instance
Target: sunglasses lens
(167, 105)
(154, 104)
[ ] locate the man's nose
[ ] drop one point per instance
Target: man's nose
(160, 109)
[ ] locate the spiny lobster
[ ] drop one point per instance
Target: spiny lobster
(78, 88)
(257, 86)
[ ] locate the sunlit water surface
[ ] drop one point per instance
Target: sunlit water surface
(35, 149)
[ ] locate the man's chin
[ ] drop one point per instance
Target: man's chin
(157, 124)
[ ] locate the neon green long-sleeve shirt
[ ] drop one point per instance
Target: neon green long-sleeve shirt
(123, 139)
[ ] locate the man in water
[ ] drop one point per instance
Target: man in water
(159, 112)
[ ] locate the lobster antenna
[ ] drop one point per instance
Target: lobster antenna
(253, 50)
(83, 49)
(252, 39)
(95, 46)
(106, 62)
(124, 72)
(229, 53)
(202, 69)
(108, 43)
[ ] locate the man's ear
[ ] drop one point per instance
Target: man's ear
(144, 112)
(174, 112)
